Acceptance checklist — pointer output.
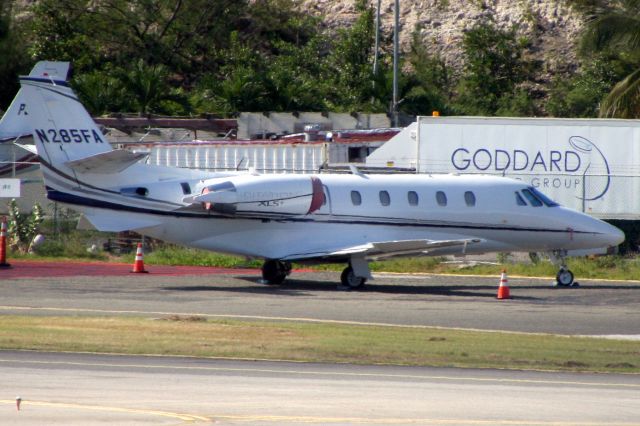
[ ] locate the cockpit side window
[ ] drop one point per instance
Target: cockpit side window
(546, 200)
(519, 200)
(530, 196)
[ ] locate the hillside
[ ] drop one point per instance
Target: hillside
(551, 26)
(473, 57)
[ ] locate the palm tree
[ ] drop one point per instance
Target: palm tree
(149, 87)
(614, 27)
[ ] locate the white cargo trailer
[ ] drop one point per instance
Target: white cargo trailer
(591, 165)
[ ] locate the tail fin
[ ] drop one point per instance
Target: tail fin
(15, 121)
(63, 130)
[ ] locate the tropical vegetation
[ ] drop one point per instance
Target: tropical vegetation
(192, 57)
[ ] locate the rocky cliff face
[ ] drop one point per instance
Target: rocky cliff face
(551, 26)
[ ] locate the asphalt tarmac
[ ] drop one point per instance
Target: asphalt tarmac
(594, 308)
(90, 389)
(86, 389)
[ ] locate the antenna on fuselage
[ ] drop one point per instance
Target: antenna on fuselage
(354, 170)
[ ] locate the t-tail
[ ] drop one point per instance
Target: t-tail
(63, 130)
(80, 167)
(73, 151)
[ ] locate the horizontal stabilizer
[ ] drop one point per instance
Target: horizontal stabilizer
(107, 162)
(387, 249)
(49, 69)
(28, 147)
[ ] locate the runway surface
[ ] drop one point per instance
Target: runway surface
(83, 389)
(595, 308)
(89, 389)
(39, 269)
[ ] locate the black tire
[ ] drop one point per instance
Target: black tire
(274, 272)
(349, 279)
(564, 278)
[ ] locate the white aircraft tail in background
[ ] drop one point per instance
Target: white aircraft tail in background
(15, 125)
(15, 121)
(352, 218)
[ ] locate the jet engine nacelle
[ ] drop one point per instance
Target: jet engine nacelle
(262, 195)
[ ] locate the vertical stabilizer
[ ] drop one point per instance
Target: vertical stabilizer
(63, 130)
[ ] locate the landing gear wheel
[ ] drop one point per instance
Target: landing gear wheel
(275, 271)
(564, 278)
(349, 279)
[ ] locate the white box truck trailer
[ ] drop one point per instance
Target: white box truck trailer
(591, 165)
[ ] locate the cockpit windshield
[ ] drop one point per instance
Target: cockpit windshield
(546, 200)
(531, 198)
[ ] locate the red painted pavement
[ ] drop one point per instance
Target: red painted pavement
(38, 269)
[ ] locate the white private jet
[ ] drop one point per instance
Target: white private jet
(352, 218)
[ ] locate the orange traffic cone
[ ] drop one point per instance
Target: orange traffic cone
(503, 289)
(138, 265)
(3, 244)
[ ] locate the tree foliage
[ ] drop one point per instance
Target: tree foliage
(614, 28)
(23, 227)
(13, 61)
(203, 56)
(225, 56)
(428, 87)
(494, 68)
(581, 95)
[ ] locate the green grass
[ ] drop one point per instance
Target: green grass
(170, 255)
(73, 245)
(196, 336)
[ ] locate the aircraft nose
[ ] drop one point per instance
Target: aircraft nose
(606, 234)
(612, 235)
(602, 234)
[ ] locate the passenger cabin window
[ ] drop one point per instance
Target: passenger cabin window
(412, 197)
(470, 198)
(519, 200)
(356, 198)
(441, 198)
(533, 200)
(385, 199)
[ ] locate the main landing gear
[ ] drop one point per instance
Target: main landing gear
(350, 281)
(355, 275)
(275, 271)
(565, 277)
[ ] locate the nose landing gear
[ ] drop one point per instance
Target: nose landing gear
(564, 277)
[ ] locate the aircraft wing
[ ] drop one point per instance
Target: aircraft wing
(118, 222)
(387, 249)
(106, 162)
